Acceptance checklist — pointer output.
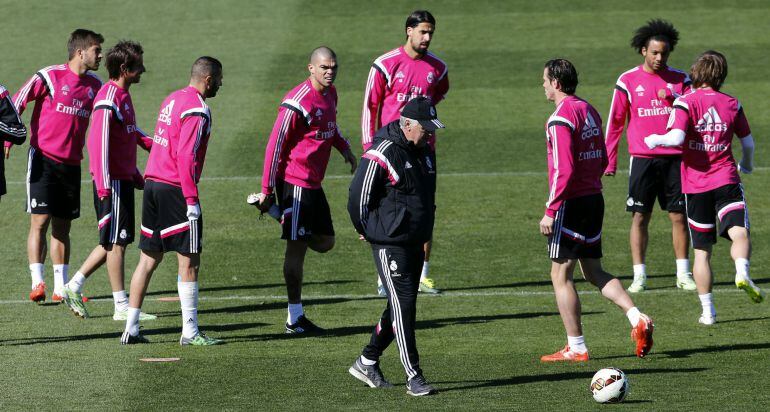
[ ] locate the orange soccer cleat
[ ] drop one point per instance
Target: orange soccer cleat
(642, 334)
(37, 294)
(565, 355)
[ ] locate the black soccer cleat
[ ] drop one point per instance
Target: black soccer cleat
(304, 326)
(129, 339)
(418, 386)
(370, 375)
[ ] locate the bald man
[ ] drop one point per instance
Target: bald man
(296, 157)
(171, 213)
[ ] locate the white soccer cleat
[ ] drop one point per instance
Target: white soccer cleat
(638, 285)
(707, 320)
(685, 281)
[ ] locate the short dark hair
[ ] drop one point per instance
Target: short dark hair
(563, 72)
(205, 66)
(82, 39)
(127, 53)
(417, 17)
(710, 68)
(656, 29)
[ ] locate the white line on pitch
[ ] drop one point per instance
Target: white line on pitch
(520, 293)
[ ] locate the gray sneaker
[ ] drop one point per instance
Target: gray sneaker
(418, 386)
(370, 375)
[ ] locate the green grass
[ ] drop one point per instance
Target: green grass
(479, 342)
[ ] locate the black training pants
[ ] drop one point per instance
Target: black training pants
(399, 269)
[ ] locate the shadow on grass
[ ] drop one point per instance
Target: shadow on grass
(421, 325)
(578, 279)
(686, 353)
(256, 307)
(236, 287)
(116, 335)
(554, 377)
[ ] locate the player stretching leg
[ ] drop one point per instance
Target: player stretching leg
(64, 97)
(395, 78)
(644, 95)
(575, 210)
(112, 142)
(703, 123)
(171, 214)
(296, 157)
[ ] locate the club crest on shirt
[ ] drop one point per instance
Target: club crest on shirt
(430, 77)
(91, 93)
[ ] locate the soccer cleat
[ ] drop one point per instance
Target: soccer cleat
(427, 285)
(123, 315)
(199, 340)
(638, 285)
(745, 283)
(369, 374)
(566, 355)
(129, 339)
(74, 301)
(685, 281)
(642, 334)
(381, 291)
(418, 386)
(304, 326)
(37, 294)
(707, 320)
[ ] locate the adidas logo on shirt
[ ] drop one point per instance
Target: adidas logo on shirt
(639, 90)
(590, 128)
(407, 165)
(165, 114)
(711, 122)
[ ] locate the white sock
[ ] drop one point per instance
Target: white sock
(36, 270)
(577, 344)
(708, 305)
(682, 267)
(132, 321)
(59, 276)
(425, 270)
(742, 267)
(295, 311)
(640, 271)
(120, 299)
(188, 299)
(367, 362)
(76, 283)
(633, 315)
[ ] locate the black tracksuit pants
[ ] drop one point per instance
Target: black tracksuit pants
(399, 269)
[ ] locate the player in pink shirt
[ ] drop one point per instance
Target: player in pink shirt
(703, 124)
(172, 220)
(575, 211)
(296, 157)
(63, 96)
(112, 141)
(643, 96)
(12, 129)
(396, 77)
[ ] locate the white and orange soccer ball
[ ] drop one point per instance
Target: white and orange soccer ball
(609, 385)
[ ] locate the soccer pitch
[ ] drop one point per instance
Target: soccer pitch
(481, 340)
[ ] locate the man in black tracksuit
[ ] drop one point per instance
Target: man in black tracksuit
(392, 203)
(11, 129)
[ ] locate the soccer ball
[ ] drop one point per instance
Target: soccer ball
(609, 385)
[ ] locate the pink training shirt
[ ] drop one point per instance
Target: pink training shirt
(577, 155)
(180, 142)
(709, 120)
(113, 138)
(644, 99)
(394, 79)
(63, 103)
(300, 144)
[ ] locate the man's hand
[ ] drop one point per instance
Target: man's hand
(608, 173)
(546, 225)
(262, 201)
(350, 158)
(745, 168)
(194, 211)
(650, 141)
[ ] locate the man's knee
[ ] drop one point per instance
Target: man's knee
(39, 222)
(641, 219)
